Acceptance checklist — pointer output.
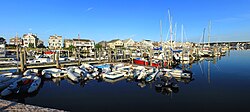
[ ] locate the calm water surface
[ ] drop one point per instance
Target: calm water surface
(223, 85)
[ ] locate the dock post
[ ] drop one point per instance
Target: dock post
(95, 54)
(68, 54)
(124, 55)
(25, 56)
(151, 56)
(75, 53)
(57, 60)
(115, 55)
(22, 62)
(109, 55)
(79, 59)
(17, 52)
(54, 57)
(100, 53)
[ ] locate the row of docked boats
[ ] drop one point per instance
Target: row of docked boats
(113, 72)
(28, 82)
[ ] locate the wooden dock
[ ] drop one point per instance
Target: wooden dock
(53, 65)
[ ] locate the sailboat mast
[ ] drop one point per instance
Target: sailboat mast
(203, 37)
(170, 29)
(161, 31)
(209, 33)
(182, 34)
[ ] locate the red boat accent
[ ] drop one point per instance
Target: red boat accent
(49, 52)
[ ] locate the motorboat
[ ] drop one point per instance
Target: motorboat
(6, 83)
(54, 72)
(26, 84)
(113, 75)
(152, 76)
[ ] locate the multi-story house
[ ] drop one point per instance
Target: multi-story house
(55, 42)
(16, 41)
(147, 44)
(84, 44)
(2, 47)
(116, 43)
(128, 43)
(67, 43)
(30, 40)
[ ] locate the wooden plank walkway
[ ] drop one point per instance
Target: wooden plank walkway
(51, 65)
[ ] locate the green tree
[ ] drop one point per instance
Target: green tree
(98, 46)
(31, 45)
(71, 47)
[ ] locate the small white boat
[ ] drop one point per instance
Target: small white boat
(114, 75)
(27, 84)
(5, 76)
(75, 74)
(152, 76)
(30, 72)
(142, 75)
(88, 67)
(10, 81)
(181, 74)
(35, 84)
(53, 72)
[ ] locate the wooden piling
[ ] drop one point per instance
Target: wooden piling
(95, 54)
(100, 53)
(57, 60)
(17, 52)
(124, 54)
(54, 57)
(115, 55)
(109, 55)
(79, 59)
(25, 56)
(151, 56)
(22, 62)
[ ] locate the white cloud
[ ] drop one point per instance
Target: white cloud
(89, 9)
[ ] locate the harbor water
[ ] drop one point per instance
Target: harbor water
(220, 84)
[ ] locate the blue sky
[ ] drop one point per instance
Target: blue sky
(136, 19)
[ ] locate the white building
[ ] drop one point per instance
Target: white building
(30, 40)
(128, 43)
(55, 42)
(2, 47)
(147, 44)
(84, 44)
(116, 43)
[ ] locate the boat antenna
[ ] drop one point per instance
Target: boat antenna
(161, 31)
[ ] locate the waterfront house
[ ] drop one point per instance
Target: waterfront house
(116, 43)
(128, 43)
(30, 40)
(84, 44)
(147, 44)
(16, 41)
(67, 43)
(2, 47)
(55, 42)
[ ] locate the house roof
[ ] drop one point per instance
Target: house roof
(114, 40)
(86, 40)
(126, 40)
